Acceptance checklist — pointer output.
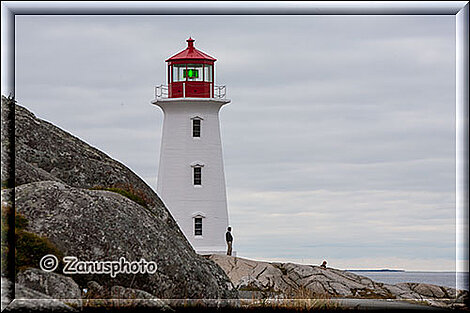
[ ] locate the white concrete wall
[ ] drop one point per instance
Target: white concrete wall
(179, 150)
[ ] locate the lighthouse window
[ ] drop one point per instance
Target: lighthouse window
(196, 128)
(197, 176)
(198, 226)
(208, 73)
(178, 72)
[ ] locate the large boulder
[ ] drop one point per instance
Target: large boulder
(54, 285)
(30, 300)
(95, 225)
(46, 152)
(27, 173)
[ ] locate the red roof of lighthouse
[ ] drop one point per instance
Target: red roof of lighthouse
(191, 53)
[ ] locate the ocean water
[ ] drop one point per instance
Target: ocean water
(447, 279)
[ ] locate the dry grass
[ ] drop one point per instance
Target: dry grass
(300, 299)
(129, 192)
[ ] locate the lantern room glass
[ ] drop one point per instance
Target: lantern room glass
(178, 72)
(192, 72)
(208, 73)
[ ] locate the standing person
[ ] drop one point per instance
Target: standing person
(229, 239)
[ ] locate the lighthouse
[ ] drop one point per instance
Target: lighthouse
(191, 179)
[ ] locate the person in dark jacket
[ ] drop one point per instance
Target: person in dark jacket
(229, 239)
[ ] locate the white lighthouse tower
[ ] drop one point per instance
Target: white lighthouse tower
(191, 178)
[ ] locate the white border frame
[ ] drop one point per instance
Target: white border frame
(458, 8)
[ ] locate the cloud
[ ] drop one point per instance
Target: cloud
(327, 223)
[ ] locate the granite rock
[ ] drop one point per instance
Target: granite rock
(46, 152)
(94, 225)
(54, 285)
(30, 300)
(289, 280)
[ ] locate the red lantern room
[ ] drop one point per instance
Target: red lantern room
(191, 74)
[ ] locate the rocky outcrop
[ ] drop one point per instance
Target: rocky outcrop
(95, 225)
(137, 298)
(119, 296)
(29, 300)
(46, 152)
(54, 285)
(27, 173)
(289, 280)
(54, 172)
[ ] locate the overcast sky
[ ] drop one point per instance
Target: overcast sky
(339, 142)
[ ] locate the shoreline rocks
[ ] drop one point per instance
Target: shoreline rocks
(292, 281)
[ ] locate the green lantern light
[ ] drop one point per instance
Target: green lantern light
(191, 73)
